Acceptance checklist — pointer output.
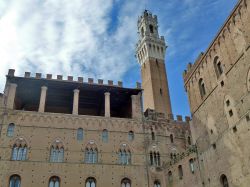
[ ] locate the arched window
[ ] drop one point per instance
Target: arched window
(90, 182)
(171, 138)
(124, 157)
(91, 155)
(105, 135)
(15, 181)
(10, 130)
(130, 135)
(19, 152)
(126, 182)
(151, 28)
(79, 134)
(142, 32)
(189, 140)
(155, 158)
(191, 164)
(217, 66)
(202, 88)
(224, 181)
(152, 134)
(54, 181)
(180, 171)
(57, 152)
(157, 184)
(170, 177)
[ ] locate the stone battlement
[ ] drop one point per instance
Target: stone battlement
(151, 114)
(193, 70)
(11, 73)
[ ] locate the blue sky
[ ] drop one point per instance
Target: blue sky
(96, 38)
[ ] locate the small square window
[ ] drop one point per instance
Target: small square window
(211, 131)
(214, 145)
(222, 83)
(228, 102)
(234, 129)
(247, 118)
(231, 113)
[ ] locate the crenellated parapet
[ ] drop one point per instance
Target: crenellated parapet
(153, 115)
(11, 73)
(212, 66)
(234, 25)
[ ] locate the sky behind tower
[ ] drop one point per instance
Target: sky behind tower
(96, 38)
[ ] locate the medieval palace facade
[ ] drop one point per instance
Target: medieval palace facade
(57, 132)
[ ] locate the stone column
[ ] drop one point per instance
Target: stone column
(76, 102)
(136, 106)
(11, 95)
(107, 104)
(42, 99)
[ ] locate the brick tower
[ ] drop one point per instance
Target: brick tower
(150, 52)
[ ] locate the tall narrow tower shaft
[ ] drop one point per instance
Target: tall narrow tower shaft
(150, 52)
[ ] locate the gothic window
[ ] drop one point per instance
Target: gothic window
(105, 135)
(10, 130)
(171, 138)
(79, 134)
(54, 181)
(224, 181)
(91, 155)
(218, 66)
(151, 29)
(125, 182)
(202, 88)
(157, 184)
(124, 157)
(91, 182)
(180, 171)
(191, 164)
(155, 158)
(15, 181)
(19, 152)
(170, 177)
(57, 152)
(130, 135)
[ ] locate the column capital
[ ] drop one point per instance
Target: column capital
(44, 87)
(107, 93)
(76, 90)
(14, 85)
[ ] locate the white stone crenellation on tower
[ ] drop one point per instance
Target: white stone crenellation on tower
(150, 52)
(149, 44)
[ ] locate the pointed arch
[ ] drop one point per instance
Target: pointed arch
(57, 151)
(19, 150)
(15, 181)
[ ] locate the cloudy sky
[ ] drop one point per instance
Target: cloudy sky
(96, 38)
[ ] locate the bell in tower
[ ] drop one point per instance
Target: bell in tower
(150, 52)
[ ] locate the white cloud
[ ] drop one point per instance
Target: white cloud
(66, 37)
